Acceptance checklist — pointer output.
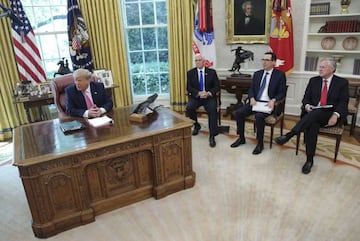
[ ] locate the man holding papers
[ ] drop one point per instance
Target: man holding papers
(86, 98)
(325, 103)
(268, 86)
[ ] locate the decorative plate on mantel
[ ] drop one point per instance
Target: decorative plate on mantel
(350, 43)
(328, 43)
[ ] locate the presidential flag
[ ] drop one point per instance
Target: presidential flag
(79, 41)
(204, 38)
(281, 35)
(27, 55)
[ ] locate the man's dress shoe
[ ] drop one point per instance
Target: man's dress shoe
(258, 149)
(238, 142)
(281, 140)
(212, 141)
(306, 169)
(196, 130)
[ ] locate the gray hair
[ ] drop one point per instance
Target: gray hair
(243, 6)
(82, 73)
(331, 62)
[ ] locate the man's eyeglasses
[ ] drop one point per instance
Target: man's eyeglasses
(266, 60)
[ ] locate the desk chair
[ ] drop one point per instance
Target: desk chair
(58, 86)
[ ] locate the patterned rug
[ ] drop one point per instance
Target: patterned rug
(349, 154)
(6, 153)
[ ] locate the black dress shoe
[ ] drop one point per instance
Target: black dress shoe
(212, 141)
(238, 142)
(281, 140)
(196, 129)
(258, 149)
(306, 169)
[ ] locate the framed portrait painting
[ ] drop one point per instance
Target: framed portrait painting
(247, 21)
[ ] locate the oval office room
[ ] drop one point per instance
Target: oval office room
(183, 169)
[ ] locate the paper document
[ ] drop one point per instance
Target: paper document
(100, 121)
(322, 107)
(261, 107)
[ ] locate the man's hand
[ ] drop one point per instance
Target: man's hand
(252, 101)
(271, 104)
(308, 107)
(94, 111)
(203, 94)
(332, 121)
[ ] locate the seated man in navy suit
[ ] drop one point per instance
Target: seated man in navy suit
(268, 85)
(202, 85)
(86, 98)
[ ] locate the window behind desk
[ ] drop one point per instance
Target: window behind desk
(145, 24)
(48, 19)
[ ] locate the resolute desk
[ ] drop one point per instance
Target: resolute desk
(69, 179)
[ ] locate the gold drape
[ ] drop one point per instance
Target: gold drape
(104, 22)
(180, 25)
(11, 114)
(105, 27)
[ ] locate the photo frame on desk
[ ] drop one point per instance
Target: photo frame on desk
(242, 29)
(105, 77)
(44, 88)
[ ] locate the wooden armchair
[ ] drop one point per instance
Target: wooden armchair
(332, 131)
(353, 106)
(277, 116)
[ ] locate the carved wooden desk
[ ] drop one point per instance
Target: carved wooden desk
(237, 86)
(69, 179)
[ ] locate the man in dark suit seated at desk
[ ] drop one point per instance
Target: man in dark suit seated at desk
(86, 98)
(324, 90)
(202, 86)
(268, 85)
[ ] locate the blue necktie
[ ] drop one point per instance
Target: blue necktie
(262, 87)
(201, 84)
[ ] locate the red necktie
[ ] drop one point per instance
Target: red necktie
(324, 93)
(88, 101)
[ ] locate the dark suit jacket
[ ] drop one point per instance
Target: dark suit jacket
(211, 82)
(277, 84)
(75, 101)
(254, 27)
(338, 94)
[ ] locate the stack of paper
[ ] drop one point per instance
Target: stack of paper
(100, 121)
(261, 107)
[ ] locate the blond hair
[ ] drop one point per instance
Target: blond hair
(82, 73)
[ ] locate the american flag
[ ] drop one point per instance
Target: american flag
(203, 37)
(27, 55)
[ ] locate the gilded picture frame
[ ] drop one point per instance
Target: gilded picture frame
(258, 30)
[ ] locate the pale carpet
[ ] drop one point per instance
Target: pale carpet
(237, 196)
